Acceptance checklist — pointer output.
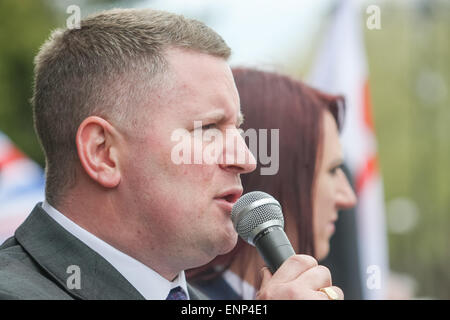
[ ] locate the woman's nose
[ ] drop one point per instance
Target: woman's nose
(346, 195)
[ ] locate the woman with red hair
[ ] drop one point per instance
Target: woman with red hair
(310, 184)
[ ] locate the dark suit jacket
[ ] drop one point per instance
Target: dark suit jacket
(34, 265)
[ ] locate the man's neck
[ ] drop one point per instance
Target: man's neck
(107, 224)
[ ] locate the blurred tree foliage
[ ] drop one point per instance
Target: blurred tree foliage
(409, 60)
(24, 25)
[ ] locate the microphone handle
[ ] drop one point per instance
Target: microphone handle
(274, 247)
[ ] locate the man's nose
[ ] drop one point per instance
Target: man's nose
(346, 195)
(237, 156)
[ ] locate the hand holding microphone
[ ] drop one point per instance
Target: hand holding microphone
(258, 219)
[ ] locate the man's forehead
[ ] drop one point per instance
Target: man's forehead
(205, 85)
(188, 63)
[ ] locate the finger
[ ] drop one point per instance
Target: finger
(337, 295)
(293, 267)
(316, 278)
(265, 276)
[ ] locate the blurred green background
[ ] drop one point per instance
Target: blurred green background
(409, 61)
(409, 64)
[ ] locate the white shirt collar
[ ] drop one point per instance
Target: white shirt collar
(149, 283)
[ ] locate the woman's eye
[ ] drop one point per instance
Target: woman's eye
(334, 170)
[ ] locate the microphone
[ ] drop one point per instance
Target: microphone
(258, 219)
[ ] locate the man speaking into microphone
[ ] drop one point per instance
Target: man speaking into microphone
(121, 220)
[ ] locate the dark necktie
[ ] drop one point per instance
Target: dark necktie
(177, 293)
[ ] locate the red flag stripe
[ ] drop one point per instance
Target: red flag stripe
(369, 170)
(12, 155)
(367, 107)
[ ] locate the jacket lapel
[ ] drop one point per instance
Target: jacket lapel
(62, 255)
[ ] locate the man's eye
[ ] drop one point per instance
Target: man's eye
(208, 126)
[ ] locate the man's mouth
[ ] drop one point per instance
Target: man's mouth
(228, 198)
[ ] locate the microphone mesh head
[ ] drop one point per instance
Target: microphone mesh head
(246, 223)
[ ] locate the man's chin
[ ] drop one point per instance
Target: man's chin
(219, 246)
(232, 241)
(226, 243)
(225, 246)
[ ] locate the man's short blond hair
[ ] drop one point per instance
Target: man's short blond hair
(107, 68)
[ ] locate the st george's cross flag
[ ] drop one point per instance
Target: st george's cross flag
(341, 68)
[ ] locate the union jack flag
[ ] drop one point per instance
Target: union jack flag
(22, 184)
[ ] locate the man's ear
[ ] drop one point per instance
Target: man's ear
(97, 145)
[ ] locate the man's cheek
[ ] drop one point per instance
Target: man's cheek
(196, 172)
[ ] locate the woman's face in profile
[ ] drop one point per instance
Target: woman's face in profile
(332, 191)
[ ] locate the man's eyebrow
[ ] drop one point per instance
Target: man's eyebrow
(219, 115)
(216, 115)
